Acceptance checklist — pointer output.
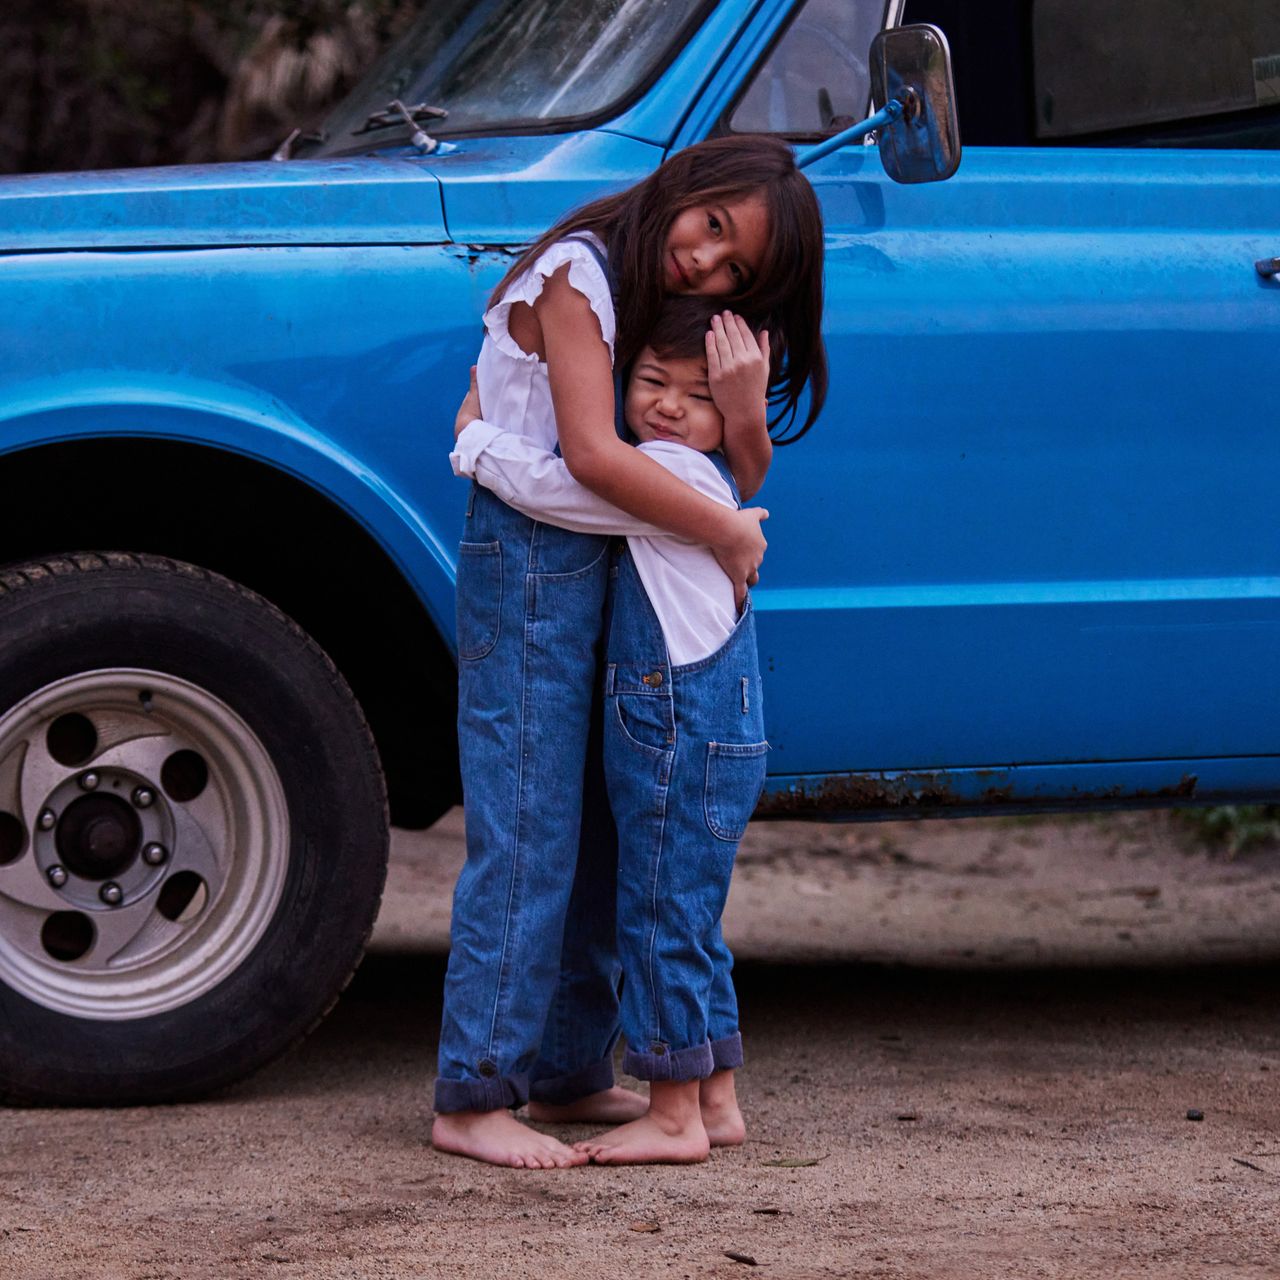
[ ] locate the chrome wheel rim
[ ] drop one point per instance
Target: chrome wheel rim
(144, 841)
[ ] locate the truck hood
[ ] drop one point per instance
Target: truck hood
(365, 200)
(509, 190)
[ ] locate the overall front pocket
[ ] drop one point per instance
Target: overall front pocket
(479, 598)
(559, 553)
(735, 778)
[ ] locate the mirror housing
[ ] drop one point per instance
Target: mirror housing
(913, 65)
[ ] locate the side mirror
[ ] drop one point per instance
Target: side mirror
(913, 65)
(918, 130)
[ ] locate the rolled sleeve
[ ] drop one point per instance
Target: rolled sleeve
(467, 448)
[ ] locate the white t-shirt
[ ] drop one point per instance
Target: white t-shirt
(691, 595)
(514, 388)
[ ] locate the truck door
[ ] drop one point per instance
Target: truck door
(1033, 526)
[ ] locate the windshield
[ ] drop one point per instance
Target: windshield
(512, 64)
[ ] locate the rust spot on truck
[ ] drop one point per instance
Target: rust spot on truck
(849, 792)
(939, 790)
(478, 256)
(1183, 789)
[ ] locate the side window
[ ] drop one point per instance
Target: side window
(1101, 73)
(814, 80)
(1101, 67)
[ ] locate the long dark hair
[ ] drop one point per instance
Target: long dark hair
(786, 291)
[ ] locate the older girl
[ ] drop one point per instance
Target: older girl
(730, 217)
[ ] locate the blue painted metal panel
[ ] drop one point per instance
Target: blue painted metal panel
(1035, 522)
(365, 200)
(342, 366)
(510, 190)
(1017, 189)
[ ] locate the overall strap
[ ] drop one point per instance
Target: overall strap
(634, 634)
(721, 464)
(602, 260)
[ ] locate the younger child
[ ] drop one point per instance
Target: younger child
(684, 737)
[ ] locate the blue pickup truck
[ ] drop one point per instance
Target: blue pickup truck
(1025, 560)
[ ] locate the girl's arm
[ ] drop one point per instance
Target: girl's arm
(532, 479)
(535, 481)
(738, 371)
(581, 380)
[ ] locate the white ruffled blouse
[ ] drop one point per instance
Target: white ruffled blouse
(514, 389)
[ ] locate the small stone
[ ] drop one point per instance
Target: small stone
(907, 1115)
(648, 1227)
(1194, 1114)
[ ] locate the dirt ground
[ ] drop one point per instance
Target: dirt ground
(973, 1051)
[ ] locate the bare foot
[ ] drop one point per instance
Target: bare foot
(497, 1137)
(718, 1102)
(670, 1132)
(609, 1106)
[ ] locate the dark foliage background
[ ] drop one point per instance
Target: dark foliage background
(92, 84)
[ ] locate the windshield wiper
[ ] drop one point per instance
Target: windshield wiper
(297, 139)
(397, 113)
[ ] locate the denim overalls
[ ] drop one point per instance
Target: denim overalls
(684, 754)
(531, 600)
(530, 998)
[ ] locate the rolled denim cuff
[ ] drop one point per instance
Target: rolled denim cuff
(489, 1093)
(559, 1091)
(662, 1063)
(727, 1053)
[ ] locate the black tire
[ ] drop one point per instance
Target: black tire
(81, 613)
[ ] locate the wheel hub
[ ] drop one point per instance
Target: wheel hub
(93, 836)
(98, 837)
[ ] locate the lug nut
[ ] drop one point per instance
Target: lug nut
(57, 876)
(111, 893)
(89, 781)
(143, 797)
(154, 854)
(48, 820)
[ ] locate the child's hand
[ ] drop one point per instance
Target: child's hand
(741, 551)
(469, 410)
(737, 367)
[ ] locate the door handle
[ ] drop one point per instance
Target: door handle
(1267, 268)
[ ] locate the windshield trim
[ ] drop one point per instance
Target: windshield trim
(892, 18)
(517, 126)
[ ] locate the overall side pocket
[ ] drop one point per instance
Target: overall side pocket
(735, 778)
(479, 598)
(646, 721)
